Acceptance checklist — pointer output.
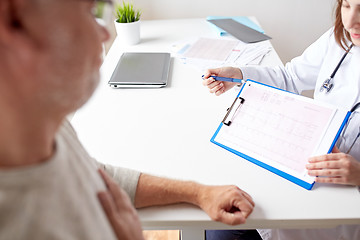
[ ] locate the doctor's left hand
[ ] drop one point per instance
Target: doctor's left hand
(336, 167)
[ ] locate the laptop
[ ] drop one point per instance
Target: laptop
(141, 70)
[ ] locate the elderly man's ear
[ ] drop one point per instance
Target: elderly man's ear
(14, 34)
(9, 19)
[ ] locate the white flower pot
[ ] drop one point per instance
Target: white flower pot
(128, 33)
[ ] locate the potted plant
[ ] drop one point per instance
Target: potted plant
(127, 23)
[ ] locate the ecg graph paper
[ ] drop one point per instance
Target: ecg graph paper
(211, 49)
(276, 126)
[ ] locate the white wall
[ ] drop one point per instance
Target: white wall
(293, 24)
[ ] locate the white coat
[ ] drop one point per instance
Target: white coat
(308, 72)
(311, 69)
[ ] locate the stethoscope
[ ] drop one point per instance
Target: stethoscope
(353, 109)
(328, 85)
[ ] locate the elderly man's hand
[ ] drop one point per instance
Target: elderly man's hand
(119, 210)
(227, 204)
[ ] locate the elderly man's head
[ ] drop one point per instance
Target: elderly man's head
(50, 53)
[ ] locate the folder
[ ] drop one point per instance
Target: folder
(240, 31)
(240, 19)
(279, 130)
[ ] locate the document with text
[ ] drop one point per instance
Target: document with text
(204, 53)
(279, 130)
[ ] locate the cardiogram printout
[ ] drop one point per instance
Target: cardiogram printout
(204, 53)
(278, 128)
(212, 49)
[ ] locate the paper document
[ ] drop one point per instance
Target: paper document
(211, 49)
(204, 53)
(269, 125)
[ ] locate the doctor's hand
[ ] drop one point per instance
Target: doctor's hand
(226, 204)
(119, 210)
(219, 87)
(337, 167)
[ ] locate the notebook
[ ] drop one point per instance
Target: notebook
(141, 70)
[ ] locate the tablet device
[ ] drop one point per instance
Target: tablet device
(141, 70)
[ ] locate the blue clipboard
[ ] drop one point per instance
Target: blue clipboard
(334, 117)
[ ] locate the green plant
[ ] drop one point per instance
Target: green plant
(125, 13)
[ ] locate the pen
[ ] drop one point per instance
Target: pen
(226, 79)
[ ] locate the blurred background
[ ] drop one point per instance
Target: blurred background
(293, 24)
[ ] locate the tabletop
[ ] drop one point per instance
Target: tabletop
(167, 131)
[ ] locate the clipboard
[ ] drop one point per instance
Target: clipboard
(279, 130)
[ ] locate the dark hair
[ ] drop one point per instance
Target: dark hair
(341, 35)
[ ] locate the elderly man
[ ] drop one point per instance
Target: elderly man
(50, 188)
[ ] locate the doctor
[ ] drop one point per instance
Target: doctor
(331, 66)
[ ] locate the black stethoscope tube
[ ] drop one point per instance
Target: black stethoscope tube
(342, 59)
(327, 84)
(355, 107)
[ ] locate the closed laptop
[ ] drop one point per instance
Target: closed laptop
(141, 70)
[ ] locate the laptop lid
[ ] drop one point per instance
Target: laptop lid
(141, 70)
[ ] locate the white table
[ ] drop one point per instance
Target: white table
(167, 132)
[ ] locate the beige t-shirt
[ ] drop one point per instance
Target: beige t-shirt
(58, 198)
